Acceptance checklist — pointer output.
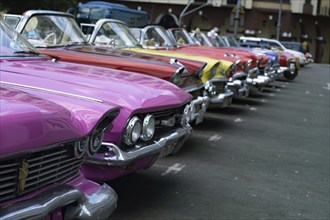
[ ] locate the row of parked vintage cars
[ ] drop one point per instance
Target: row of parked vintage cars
(85, 105)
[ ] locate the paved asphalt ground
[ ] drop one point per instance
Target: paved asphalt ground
(265, 157)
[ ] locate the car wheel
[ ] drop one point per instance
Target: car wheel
(291, 73)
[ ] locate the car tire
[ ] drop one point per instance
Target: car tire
(291, 74)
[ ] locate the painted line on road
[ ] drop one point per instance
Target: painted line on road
(215, 138)
(238, 120)
(327, 87)
(174, 169)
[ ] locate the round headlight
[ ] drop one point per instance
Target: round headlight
(133, 131)
(80, 147)
(95, 141)
(148, 128)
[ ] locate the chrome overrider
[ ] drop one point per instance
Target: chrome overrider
(118, 157)
(201, 103)
(99, 204)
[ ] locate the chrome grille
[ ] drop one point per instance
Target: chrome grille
(45, 167)
(219, 87)
(164, 115)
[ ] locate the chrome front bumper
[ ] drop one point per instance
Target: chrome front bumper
(259, 82)
(275, 73)
(115, 156)
(239, 88)
(218, 99)
(237, 84)
(222, 100)
(98, 205)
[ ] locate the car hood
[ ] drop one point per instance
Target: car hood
(126, 89)
(115, 59)
(220, 53)
(179, 53)
(295, 53)
(30, 121)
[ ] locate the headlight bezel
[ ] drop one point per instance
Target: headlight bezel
(147, 125)
(99, 131)
(96, 137)
(81, 146)
(130, 128)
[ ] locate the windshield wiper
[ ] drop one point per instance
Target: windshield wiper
(27, 52)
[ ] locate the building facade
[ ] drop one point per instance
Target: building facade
(300, 19)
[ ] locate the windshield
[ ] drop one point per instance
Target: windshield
(13, 44)
(115, 34)
(52, 31)
(156, 37)
(201, 38)
(182, 37)
(206, 39)
(219, 42)
(232, 41)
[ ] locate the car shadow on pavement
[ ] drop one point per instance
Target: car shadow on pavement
(140, 189)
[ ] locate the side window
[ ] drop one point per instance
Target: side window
(274, 45)
(12, 21)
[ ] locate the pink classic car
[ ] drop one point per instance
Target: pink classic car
(42, 146)
(56, 34)
(154, 117)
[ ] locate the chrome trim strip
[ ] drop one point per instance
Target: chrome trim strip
(52, 91)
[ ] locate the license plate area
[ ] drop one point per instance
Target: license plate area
(167, 150)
